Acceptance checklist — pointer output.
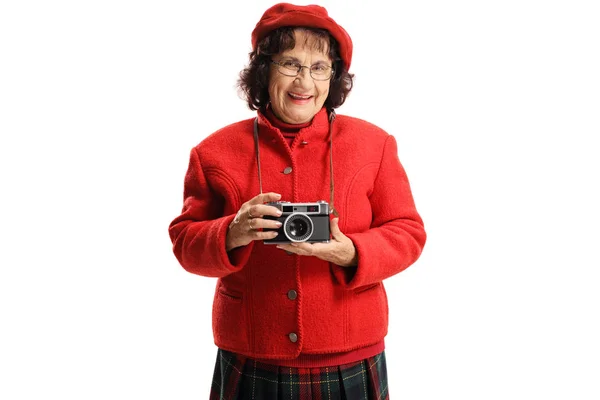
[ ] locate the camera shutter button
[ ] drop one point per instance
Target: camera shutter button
(287, 170)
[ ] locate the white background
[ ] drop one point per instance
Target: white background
(495, 107)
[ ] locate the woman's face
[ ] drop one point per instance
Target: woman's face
(296, 99)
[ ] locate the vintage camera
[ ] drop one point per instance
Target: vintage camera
(301, 222)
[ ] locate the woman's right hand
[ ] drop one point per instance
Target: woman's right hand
(248, 221)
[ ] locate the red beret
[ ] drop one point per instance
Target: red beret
(312, 16)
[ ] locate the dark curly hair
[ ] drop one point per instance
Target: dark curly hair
(254, 79)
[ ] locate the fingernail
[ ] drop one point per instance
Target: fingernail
(277, 195)
(278, 223)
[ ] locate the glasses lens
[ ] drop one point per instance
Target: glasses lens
(320, 72)
(288, 68)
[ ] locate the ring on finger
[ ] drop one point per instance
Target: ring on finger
(250, 224)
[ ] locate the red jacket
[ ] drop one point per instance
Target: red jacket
(336, 309)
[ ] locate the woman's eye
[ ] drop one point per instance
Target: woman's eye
(290, 64)
(319, 68)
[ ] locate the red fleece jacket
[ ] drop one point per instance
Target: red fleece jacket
(337, 309)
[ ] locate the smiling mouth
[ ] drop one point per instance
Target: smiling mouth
(296, 96)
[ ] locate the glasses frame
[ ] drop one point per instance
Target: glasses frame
(280, 67)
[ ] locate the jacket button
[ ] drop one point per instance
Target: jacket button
(287, 170)
(304, 143)
(292, 295)
(293, 337)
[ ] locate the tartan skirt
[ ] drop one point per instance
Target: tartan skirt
(238, 377)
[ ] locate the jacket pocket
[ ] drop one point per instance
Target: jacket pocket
(230, 326)
(368, 321)
(366, 288)
(230, 294)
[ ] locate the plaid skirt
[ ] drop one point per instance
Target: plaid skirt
(238, 377)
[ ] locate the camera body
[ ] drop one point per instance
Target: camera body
(301, 222)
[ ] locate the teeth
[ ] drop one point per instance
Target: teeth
(299, 97)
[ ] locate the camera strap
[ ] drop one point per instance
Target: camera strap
(331, 207)
(331, 191)
(257, 153)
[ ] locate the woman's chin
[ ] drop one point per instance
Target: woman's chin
(299, 117)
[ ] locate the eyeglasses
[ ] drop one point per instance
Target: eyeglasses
(319, 72)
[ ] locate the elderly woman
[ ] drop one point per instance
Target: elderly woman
(298, 319)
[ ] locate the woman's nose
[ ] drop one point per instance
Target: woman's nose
(304, 79)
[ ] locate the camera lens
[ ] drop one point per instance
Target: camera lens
(298, 227)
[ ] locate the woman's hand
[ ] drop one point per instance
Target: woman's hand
(340, 250)
(246, 225)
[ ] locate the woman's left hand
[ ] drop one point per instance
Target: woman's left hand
(340, 250)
